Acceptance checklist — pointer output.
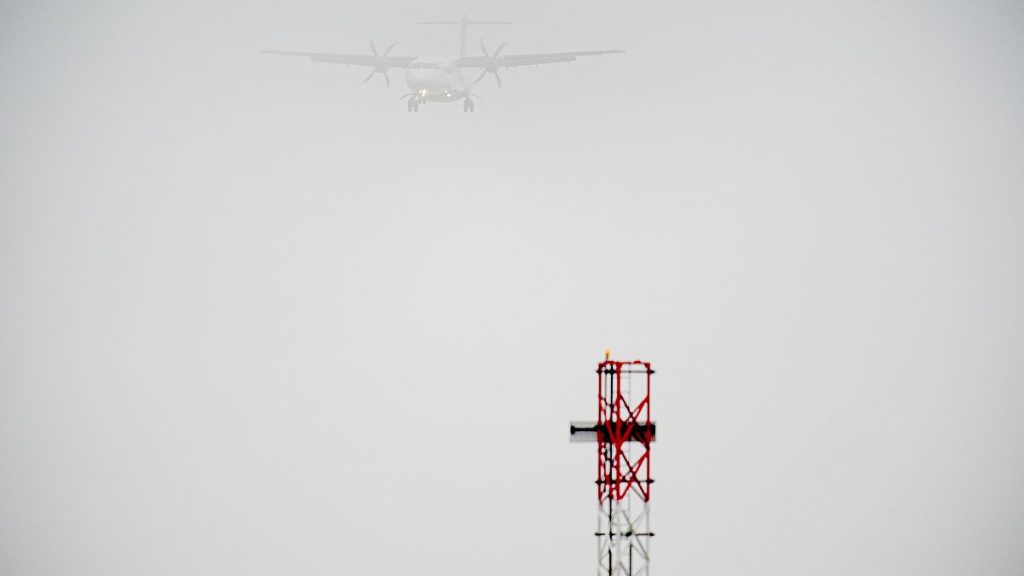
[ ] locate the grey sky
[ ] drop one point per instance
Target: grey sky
(255, 318)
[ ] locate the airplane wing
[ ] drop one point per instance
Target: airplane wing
(350, 59)
(514, 60)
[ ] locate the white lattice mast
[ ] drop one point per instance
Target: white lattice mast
(623, 433)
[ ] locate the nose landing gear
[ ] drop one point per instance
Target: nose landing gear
(413, 105)
(468, 105)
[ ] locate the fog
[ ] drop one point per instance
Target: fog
(257, 318)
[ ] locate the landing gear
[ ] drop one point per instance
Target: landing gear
(468, 105)
(414, 105)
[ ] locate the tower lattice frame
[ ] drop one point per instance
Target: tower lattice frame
(623, 433)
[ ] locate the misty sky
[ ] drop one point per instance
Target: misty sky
(256, 318)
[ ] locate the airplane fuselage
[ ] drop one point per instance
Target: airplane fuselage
(436, 80)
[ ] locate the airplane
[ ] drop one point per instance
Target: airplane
(443, 79)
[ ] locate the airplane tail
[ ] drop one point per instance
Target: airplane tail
(464, 25)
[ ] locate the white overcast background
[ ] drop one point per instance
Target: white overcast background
(256, 318)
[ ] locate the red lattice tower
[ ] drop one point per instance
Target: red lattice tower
(623, 433)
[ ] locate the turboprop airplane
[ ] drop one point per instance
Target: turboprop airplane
(443, 79)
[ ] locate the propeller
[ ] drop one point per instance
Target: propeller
(381, 65)
(493, 63)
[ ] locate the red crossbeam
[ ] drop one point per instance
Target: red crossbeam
(624, 411)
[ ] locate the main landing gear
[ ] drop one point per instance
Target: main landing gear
(468, 105)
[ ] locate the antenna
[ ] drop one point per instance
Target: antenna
(464, 25)
(623, 433)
